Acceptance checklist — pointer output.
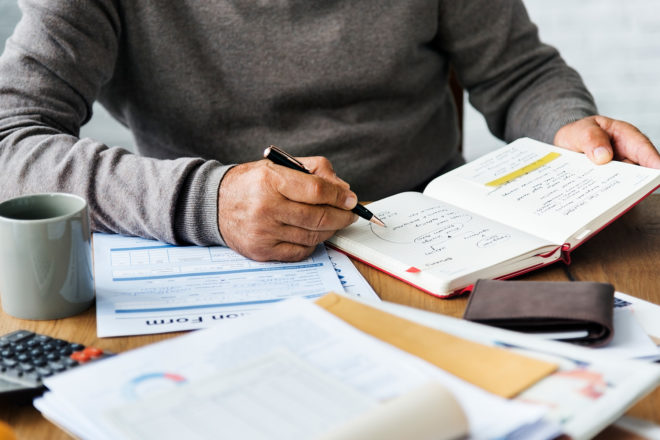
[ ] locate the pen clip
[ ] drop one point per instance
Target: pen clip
(285, 155)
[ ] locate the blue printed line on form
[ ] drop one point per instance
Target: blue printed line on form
(208, 306)
(226, 272)
(143, 248)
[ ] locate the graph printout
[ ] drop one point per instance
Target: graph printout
(145, 286)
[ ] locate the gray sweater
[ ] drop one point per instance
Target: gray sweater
(206, 84)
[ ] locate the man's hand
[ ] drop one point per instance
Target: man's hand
(270, 212)
(603, 139)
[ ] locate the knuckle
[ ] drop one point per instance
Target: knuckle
(317, 189)
(258, 209)
(323, 162)
(261, 174)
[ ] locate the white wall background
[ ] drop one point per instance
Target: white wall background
(614, 44)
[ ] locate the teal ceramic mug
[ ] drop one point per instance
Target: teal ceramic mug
(45, 256)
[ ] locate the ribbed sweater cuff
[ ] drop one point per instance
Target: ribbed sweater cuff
(196, 219)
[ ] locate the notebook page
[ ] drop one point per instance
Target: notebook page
(428, 236)
(545, 190)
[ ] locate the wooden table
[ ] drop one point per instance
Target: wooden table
(626, 254)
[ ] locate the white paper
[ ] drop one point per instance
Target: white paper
(279, 396)
(646, 313)
(145, 286)
(354, 284)
(591, 389)
(369, 366)
(630, 341)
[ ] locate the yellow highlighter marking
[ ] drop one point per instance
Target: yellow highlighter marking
(524, 170)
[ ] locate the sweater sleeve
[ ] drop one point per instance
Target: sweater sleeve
(60, 55)
(522, 86)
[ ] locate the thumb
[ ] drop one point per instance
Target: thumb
(588, 137)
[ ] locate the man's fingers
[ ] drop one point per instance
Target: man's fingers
(631, 144)
(286, 243)
(303, 237)
(586, 136)
(602, 139)
(313, 189)
(315, 217)
(284, 251)
(322, 167)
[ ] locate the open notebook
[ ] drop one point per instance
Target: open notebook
(521, 207)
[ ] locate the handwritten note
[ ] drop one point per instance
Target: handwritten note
(560, 199)
(431, 235)
(558, 187)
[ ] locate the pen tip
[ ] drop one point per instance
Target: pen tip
(377, 221)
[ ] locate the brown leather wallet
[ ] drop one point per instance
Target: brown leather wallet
(545, 307)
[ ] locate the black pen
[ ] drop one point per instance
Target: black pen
(281, 157)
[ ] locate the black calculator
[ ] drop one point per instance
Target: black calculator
(26, 358)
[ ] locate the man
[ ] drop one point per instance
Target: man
(203, 85)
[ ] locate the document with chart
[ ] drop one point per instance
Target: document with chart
(145, 286)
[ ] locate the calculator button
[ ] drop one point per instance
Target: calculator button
(57, 366)
(69, 362)
(6, 353)
(59, 343)
(39, 361)
(44, 371)
(93, 352)
(76, 347)
(18, 335)
(26, 368)
(9, 363)
(80, 356)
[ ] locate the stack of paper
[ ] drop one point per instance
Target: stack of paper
(290, 371)
(296, 371)
(590, 390)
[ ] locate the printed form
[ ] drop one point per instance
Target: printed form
(145, 286)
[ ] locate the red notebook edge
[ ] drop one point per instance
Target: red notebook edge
(457, 292)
